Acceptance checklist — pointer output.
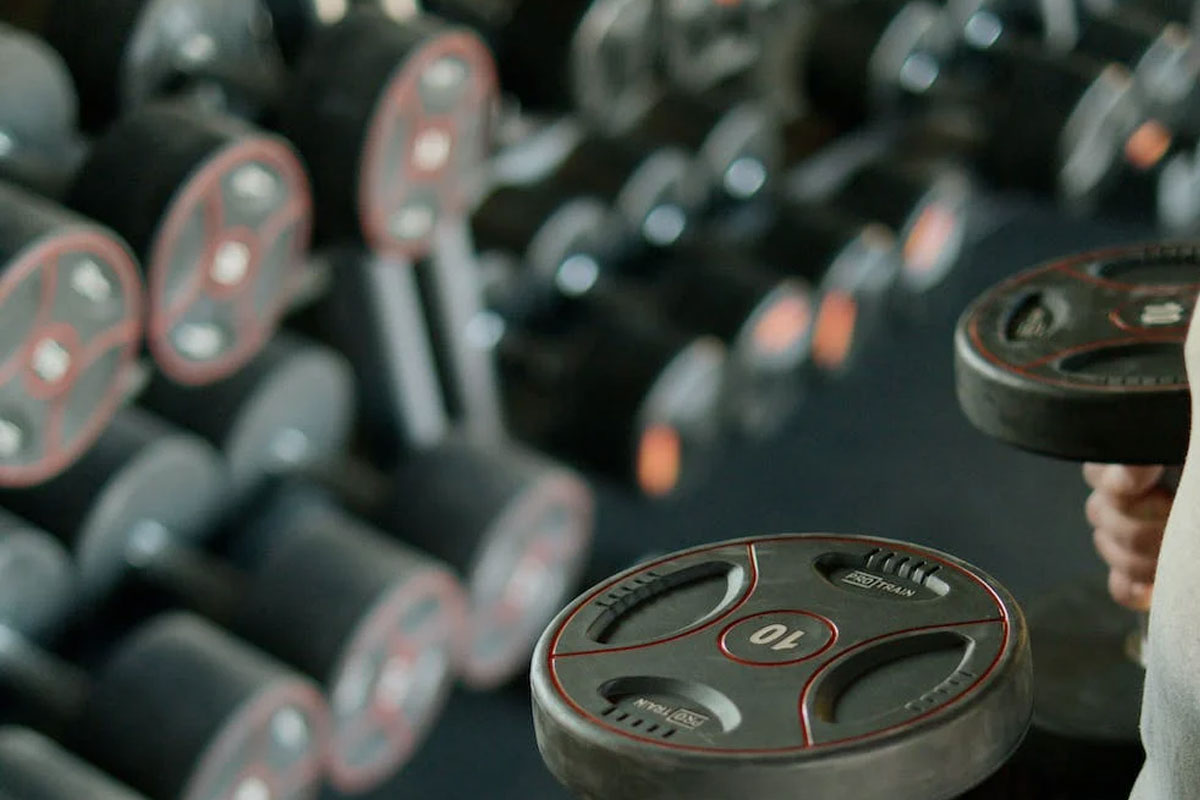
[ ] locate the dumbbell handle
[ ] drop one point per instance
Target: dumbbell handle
(56, 690)
(207, 585)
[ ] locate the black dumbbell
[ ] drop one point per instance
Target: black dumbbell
(36, 578)
(739, 49)
(851, 265)
(33, 767)
(394, 121)
(123, 57)
(294, 22)
(238, 721)
(872, 56)
(286, 410)
(1058, 360)
(982, 23)
(556, 55)
(220, 214)
(217, 211)
(1162, 57)
(71, 305)
(765, 664)
(38, 107)
(604, 381)
(927, 203)
(382, 638)
(763, 316)
(738, 148)
(1065, 124)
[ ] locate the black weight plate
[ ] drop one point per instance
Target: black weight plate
(36, 577)
(220, 213)
(1065, 358)
(394, 121)
(785, 666)
(70, 318)
(33, 767)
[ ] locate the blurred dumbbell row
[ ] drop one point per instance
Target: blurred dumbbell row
(647, 235)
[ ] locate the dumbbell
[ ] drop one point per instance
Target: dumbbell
(737, 48)
(1061, 360)
(33, 767)
(70, 305)
(1162, 57)
(288, 409)
(217, 211)
(784, 666)
(382, 639)
(928, 204)
(394, 122)
(122, 58)
(656, 193)
(597, 56)
(851, 265)
(738, 149)
(522, 533)
(982, 23)
(603, 380)
(238, 721)
(294, 22)
(871, 56)
(35, 578)
(1065, 124)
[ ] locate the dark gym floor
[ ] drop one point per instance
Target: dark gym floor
(883, 451)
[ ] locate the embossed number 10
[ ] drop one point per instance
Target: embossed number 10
(778, 636)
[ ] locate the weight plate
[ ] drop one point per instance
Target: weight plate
(782, 665)
(406, 109)
(128, 53)
(70, 317)
(37, 578)
(384, 644)
(38, 105)
(33, 767)
(240, 724)
(220, 213)
(1088, 677)
(613, 62)
(1060, 359)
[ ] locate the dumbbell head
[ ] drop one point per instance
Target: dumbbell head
(36, 577)
(38, 105)
(1060, 358)
(291, 406)
(612, 62)
(738, 149)
(781, 664)
(850, 264)
(184, 710)
(708, 42)
(124, 54)
(140, 483)
(33, 767)
(870, 55)
(927, 203)
(219, 213)
(383, 637)
(763, 317)
(520, 538)
(70, 317)
(982, 23)
(394, 122)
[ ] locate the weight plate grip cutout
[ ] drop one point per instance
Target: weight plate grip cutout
(781, 667)
(1060, 359)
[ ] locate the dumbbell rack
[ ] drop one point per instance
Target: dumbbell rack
(422, 358)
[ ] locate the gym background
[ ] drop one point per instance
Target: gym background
(342, 343)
